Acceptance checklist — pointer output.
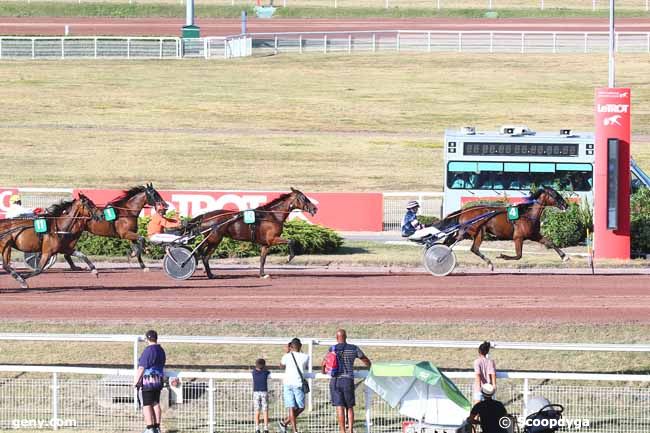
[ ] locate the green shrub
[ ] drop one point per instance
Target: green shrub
(309, 239)
(566, 228)
(640, 221)
(427, 220)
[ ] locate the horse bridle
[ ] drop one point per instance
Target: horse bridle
(72, 218)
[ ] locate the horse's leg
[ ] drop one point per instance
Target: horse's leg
(86, 260)
(263, 252)
(478, 240)
(45, 257)
(548, 244)
(519, 247)
(6, 265)
(137, 247)
(292, 254)
(71, 263)
(205, 258)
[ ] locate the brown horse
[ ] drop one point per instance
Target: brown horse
(265, 231)
(527, 226)
(125, 226)
(66, 222)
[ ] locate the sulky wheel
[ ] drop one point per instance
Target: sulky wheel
(439, 260)
(32, 259)
(179, 263)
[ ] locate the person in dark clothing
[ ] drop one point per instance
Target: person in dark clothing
(149, 378)
(488, 412)
(260, 394)
(342, 384)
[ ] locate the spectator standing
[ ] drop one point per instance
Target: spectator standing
(149, 378)
(342, 384)
(485, 371)
(488, 412)
(295, 364)
(260, 394)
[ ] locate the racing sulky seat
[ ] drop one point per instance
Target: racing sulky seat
(539, 413)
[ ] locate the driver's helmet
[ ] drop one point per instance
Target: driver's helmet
(15, 198)
(413, 204)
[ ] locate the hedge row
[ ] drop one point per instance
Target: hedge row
(309, 239)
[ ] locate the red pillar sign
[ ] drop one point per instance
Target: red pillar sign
(612, 174)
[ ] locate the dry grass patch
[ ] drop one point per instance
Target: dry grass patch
(331, 122)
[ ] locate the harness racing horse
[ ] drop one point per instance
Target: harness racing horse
(265, 231)
(527, 226)
(66, 222)
(125, 226)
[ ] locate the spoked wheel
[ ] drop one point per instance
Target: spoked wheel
(32, 260)
(179, 263)
(439, 260)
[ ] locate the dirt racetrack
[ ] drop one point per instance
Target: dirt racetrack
(119, 295)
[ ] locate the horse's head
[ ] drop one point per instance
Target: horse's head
(547, 196)
(154, 198)
(89, 205)
(300, 201)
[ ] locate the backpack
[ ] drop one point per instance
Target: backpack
(332, 362)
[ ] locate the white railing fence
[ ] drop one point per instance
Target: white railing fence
(395, 206)
(103, 400)
(341, 42)
(80, 47)
(593, 5)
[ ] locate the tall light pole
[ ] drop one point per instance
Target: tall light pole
(612, 46)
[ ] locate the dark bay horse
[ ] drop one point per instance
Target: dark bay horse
(66, 222)
(125, 226)
(527, 226)
(266, 231)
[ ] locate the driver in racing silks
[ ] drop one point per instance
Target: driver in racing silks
(410, 223)
(159, 222)
(411, 227)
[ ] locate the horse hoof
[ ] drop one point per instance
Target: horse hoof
(491, 266)
(95, 273)
(24, 285)
(145, 269)
(566, 258)
(265, 276)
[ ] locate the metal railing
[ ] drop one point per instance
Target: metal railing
(478, 41)
(104, 47)
(218, 401)
(593, 5)
(340, 42)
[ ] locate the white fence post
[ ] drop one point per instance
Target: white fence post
(325, 44)
(525, 393)
(95, 47)
(55, 400)
(350, 44)
(397, 42)
(523, 43)
(374, 42)
(368, 392)
(300, 44)
(33, 48)
(211, 405)
(160, 55)
(586, 44)
(62, 49)
(460, 42)
(310, 366)
(491, 42)
(554, 43)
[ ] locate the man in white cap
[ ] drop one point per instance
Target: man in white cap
(16, 208)
(489, 412)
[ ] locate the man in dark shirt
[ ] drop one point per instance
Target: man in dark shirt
(149, 377)
(342, 385)
(488, 412)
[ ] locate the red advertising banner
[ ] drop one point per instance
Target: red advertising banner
(339, 211)
(5, 194)
(612, 181)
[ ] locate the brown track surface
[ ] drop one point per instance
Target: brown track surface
(120, 295)
(54, 26)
